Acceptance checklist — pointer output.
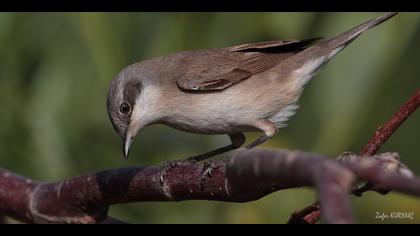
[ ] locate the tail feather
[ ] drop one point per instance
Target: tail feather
(312, 59)
(330, 47)
(345, 38)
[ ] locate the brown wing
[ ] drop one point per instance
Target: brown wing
(217, 71)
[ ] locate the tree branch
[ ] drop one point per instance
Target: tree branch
(246, 176)
(385, 131)
(312, 213)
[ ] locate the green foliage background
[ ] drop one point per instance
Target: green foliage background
(55, 69)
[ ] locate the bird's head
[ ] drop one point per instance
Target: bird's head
(123, 107)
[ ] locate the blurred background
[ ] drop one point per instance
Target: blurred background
(55, 70)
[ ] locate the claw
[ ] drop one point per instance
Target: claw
(208, 168)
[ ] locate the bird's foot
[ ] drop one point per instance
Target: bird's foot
(208, 168)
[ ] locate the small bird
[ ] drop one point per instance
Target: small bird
(232, 90)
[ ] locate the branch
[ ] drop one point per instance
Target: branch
(86, 198)
(246, 176)
(312, 213)
(384, 132)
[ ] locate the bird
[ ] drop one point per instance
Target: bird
(233, 90)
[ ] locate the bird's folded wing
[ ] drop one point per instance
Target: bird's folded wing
(217, 71)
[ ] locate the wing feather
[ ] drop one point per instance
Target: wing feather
(222, 69)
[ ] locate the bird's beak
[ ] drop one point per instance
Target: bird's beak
(131, 133)
(126, 145)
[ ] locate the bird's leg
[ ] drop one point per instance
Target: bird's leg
(269, 129)
(237, 140)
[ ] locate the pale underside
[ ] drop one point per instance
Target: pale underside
(240, 108)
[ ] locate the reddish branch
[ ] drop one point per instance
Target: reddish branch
(247, 176)
(384, 132)
(85, 199)
(312, 213)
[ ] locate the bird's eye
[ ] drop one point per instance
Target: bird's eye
(125, 108)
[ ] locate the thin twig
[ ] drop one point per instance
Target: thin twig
(298, 217)
(384, 132)
(312, 213)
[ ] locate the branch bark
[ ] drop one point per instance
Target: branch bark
(312, 213)
(246, 176)
(385, 131)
